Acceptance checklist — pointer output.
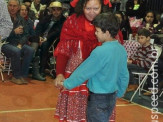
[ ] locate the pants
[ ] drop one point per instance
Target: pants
(44, 53)
(20, 59)
(134, 68)
(100, 107)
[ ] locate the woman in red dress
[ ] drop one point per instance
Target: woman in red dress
(77, 40)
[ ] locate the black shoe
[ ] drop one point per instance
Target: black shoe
(38, 77)
(43, 74)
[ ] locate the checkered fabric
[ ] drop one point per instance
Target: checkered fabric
(131, 47)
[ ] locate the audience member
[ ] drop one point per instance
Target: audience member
(48, 30)
(36, 6)
(31, 13)
(159, 27)
(16, 49)
(149, 21)
(135, 8)
(36, 58)
(115, 5)
(124, 25)
(143, 58)
(6, 24)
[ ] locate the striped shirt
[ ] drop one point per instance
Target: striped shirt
(6, 24)
(144, 56)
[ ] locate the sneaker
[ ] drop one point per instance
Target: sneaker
(24, 81)
(130, 89)
(147, 93)
(17, 81)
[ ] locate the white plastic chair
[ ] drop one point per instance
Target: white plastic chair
(7, 65)
(143, 79)
(161, 94)
(4, 62)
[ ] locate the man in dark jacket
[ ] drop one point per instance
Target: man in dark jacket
(16, 49)
(48, 29)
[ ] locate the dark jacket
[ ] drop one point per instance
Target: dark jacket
(139, 13)
(55, 30)
(15, 39)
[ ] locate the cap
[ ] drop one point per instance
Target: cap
(55, 4)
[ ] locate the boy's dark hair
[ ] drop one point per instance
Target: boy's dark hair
(107, 22)
(81, 3)
(144, 32)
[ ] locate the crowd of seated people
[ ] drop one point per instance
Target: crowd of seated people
(26, 44)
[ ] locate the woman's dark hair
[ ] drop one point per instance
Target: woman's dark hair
(107, 22)
(120, 13)
(144, 32)
(26, 7)
(81, 3)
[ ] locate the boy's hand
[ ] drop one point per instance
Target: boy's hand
(129, 61)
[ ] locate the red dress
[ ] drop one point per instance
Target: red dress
(77, 40)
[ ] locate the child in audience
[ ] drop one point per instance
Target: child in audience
(105, 69)
(149, 21)
(125, 28)
(143, 58)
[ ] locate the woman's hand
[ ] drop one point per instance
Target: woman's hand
(58, 81)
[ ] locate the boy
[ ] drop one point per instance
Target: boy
(143, 58)
(105, 69)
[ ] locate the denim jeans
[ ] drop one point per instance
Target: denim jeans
(134, 68)
(100, 107)
(20, 59)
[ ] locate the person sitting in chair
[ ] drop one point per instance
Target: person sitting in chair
(47, 30)
(16, 49)
(143, 58)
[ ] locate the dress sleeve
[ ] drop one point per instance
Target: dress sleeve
(61, 64)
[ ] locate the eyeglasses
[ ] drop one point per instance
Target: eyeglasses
(57, 9)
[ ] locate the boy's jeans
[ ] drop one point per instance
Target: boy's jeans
(100, 107)
(134, 68)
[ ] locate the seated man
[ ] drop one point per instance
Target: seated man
(48, 29)
(143, 58)
(16, 49)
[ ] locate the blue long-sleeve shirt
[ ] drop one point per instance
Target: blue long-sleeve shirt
(105, 69)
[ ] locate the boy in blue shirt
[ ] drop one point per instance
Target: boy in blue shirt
(105, 69)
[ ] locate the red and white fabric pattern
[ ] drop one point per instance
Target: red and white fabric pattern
(131, 47)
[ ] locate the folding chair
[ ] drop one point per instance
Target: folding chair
(1, 60)
(142, 80)
(161, 94)
(51, 62)
(7, 65)
(1, 70)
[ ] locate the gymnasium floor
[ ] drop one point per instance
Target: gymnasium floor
(36, 102)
